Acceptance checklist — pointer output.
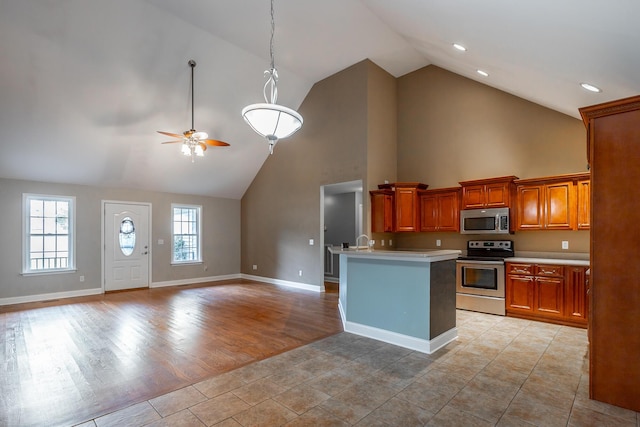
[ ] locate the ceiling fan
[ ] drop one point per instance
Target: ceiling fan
(194, 143)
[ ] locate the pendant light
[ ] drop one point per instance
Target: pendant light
(268, 119)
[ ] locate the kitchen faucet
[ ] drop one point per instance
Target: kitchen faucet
(369, 242)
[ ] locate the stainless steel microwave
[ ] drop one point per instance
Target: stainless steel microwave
(484, 221)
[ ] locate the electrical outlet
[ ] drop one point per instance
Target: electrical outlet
(300, 273)
(206, 267)
(438, 242)
(160, 241)
(390, 242)
(382, 242)
(565, 244)
(82, 278)
(255, 266)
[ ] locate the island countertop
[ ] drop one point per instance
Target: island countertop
(431, 255)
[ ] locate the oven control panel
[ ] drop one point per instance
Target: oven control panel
(490, 244)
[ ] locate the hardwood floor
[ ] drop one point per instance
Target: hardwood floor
(72, 360)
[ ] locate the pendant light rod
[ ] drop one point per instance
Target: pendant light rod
(273, 31)
(192, 64)
(270, 120)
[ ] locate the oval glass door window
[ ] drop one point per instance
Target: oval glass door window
(127, 236)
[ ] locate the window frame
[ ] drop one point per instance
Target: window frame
(26, 234)
(198, 209)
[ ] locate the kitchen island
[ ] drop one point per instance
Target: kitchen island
(406, 298)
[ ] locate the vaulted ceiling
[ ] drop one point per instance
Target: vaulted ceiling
(85, 84)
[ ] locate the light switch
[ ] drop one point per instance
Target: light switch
(565, 244)
(310, 242)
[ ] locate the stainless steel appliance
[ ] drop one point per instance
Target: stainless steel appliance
(484, 221)
(480, 276)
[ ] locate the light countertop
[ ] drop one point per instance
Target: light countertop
(552, 261)
(419, 255)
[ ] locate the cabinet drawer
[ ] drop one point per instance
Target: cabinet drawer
(549, 270)
(526, 269)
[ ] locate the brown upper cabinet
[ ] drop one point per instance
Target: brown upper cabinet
(488, 193)
(396, 207)
(552, 203)
(382, 208)
(584, 204)
(407, 205)
(440, 209)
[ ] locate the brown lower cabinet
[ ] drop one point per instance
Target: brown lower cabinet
(551, 293)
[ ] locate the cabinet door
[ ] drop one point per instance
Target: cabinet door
(428, 212)
(549, 300)
(449, 212)
(406, 209)
(530, 207)
(473, 196)
(584, 205)
(519, 293)
(381, 212)
(560, 206)
(497, 195)
(388, 213)
(576, 297)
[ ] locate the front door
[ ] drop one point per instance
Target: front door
(126, 246)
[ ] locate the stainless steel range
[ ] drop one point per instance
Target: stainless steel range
(480, 276)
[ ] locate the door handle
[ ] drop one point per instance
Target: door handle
(145, 252)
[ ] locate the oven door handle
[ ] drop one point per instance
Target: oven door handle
(479, 263)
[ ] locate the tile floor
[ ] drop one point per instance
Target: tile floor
(501, 371)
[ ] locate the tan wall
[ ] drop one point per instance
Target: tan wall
(382, 131)
(220, 240)
(452, 129)
(382, 124)
(281, 208)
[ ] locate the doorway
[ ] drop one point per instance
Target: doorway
(126, 253)
(341, 218)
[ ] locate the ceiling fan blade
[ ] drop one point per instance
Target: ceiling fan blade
(170, 142)
(216, 143)
(173, 135)
(204, 146)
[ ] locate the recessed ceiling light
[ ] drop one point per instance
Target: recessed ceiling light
(590, 88)
(460, 47)
(482, 73)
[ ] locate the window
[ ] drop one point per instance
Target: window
(48, 233)
(186, 242)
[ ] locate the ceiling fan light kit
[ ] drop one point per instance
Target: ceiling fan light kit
(268, 119)
(194, 143)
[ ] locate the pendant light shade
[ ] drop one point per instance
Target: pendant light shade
(272, 121)
(268, 119)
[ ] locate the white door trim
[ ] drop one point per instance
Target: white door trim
(103, 243)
